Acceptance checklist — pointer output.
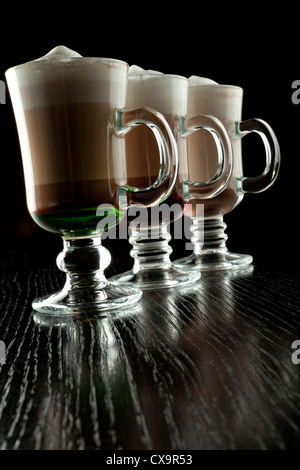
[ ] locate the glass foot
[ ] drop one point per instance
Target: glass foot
(214, 261)
(210, 251)
(152, 279)
(87, 299)
(86, 288)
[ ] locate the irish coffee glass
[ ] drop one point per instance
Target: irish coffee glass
(152, 266)
(71, 125)
(208, 231)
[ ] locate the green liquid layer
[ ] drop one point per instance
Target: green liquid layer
(78, 222)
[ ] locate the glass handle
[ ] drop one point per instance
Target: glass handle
(164, 184)
(209, 189)
(266, 179)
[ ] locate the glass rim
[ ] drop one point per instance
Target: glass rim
(217, 85)
(155, 75)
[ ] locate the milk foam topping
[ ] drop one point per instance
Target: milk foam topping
(209, 97)
(194, 80)
(63, 75)
(164, 92)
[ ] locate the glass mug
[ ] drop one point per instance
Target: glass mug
(71, 125)
(225, 102)
(152, 267)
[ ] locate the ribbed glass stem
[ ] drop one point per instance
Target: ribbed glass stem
(208, 235)
(151, 249)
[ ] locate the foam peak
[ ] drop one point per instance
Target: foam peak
(199, 81)
(60, 52)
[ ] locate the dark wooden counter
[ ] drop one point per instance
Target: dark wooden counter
(209, 367)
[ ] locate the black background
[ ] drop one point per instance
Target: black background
(231, 44)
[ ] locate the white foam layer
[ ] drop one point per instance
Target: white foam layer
(208, 97)
(63, 75)
(164, 92)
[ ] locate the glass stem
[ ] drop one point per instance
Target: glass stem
(84, 261)
(208, 235)
(151, 249)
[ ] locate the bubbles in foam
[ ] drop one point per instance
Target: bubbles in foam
(59, 52)
(135, 69)
(199, 81)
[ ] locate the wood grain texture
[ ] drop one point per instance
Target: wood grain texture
(203, 368)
